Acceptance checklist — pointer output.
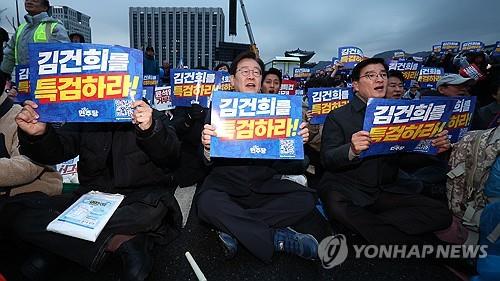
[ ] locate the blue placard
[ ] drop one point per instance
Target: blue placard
(23, 83)
(405, 125)
(150, 80)
(428, 76)
(472, 46)
(350, 56)
(301, 73)
(461, 117)
(74, 82)
(436, 49)
(323, 100)
(192, 86)
(496, 52)
(225, 81)
(262, 126)
(450, 46)
(410, 69)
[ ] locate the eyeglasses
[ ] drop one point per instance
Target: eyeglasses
(372, 76)
(245, 72)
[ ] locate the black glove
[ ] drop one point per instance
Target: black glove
(4, 153)
(196, 112)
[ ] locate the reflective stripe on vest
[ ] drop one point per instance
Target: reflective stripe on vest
(40, 35)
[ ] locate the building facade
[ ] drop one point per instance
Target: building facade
(188, 34)
(73, 20)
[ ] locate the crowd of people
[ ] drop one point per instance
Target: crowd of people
(255, 204)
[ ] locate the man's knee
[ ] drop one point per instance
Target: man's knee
(207, 204)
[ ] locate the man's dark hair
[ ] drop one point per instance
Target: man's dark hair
(222, 64)
(356, 72)
(242, 56)
(82, 39)
(274, 71)
(46, 3)
(150, 48)
(396, 73)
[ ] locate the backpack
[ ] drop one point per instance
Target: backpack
(470, 162)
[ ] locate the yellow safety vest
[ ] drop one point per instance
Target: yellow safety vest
(40, 35)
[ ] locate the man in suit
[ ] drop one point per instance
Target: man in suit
(245, 199)
(363, 194)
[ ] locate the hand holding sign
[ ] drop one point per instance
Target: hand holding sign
(360, 141)
(442, 141)
(304, 132)
(142, 115)
(206, 135)
(27, 120)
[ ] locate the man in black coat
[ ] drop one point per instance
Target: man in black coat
(130, 159)
(363, 194)
(246, 199)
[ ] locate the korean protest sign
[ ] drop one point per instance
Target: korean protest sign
(68, 170)
(450, 46)
(428, 76)
(471, 71)
(75, 82)
(192, 86)
(472, 46)
(263, 126)
(405, 125)
(323, 100)
(350, 56)
(399, 55)
(461, 117)
(23, 83)
(163, 98)
(409, 69)
(436, 49)
(225, 83)
(301, 72)
(150, 80)
(287, 87)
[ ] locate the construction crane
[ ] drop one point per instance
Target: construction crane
(253, 46)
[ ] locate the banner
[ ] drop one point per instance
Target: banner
(472, 46)
(323, 100)
(75, 82)
(496, 52)
(163, 98)
(262, 126)
(225, 82)
(405, 125)
(450, 46)
(350, 56)
(428, 77)
(192, 86)
(23, 83)
(287, 87)
(409, 69)
(461, 117)
(301, 72)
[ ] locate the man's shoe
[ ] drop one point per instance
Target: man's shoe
(229, 244)
(137, 261)
(290, 241)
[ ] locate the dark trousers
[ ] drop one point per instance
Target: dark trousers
(26, 219)
(391, 219)
(252, 219)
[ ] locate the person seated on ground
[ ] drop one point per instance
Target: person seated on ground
(362, 193)
(18, 174)
(246, 200)
(271, 81)
(426, 172)
(395, 84)
(133, 159)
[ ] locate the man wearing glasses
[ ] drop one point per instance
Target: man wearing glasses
(363, 194)
(245, 199)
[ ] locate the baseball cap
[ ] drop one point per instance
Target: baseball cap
(453, 79)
